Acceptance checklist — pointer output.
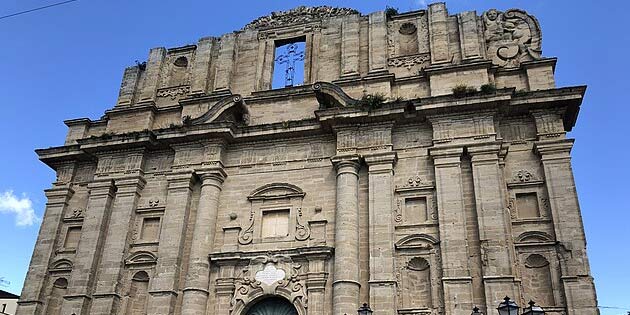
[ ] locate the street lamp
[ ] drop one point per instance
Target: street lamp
(533, 309)
(476, 311)
(365, 310)
(508, 307)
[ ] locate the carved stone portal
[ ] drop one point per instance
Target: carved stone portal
(275, 275)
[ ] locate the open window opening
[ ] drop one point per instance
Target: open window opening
(288, 66)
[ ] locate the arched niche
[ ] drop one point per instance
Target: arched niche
(55, 296)
(538, 284)
(138, 294)
(419, 273)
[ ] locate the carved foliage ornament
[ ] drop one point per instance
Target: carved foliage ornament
(174, 92)
(512, 37)
(410, 61)
(298, 15)
(524, 176)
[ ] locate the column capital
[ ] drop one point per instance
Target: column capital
(384, 159)
(211, 175)
(446, 156)
(180, 179)
(130, 184)
(486, 152)
(102, 187)
(346, 163)
(554, 149)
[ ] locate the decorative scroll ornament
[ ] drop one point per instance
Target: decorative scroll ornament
(410, 61)
(174, 92)
(511, 208)
(511, 37)
(415, 181)
(302, 230)
(299, 15)
(270, 275)
(247, 235)
(398, 211)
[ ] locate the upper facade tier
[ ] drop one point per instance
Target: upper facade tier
(395, 56)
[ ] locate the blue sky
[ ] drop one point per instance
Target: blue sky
(67, 62)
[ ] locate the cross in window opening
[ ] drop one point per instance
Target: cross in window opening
(289, 58)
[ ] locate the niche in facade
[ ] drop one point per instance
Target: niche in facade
(288, 66)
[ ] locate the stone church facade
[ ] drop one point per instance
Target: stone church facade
(422, 167)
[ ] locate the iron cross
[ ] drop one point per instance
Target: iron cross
(289, 58)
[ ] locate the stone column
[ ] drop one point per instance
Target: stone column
(316, 284)
(346, 262)
(456, 279)
(224, 287)
(152, 74)
(378, 42)
(197, 279)
(350, 46)
(33, 295)
(494, 224)
(381, 233)
(567, 220)
(438, 33)
(88, 253)
(164, 285)
(107, 294)
(201, 66)
(225, 63)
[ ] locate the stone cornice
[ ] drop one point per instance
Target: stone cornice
(504, 101)
(324, 252)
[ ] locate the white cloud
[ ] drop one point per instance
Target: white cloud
(422, 3)
(21, 207)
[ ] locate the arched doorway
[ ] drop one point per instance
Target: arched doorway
(272, 306)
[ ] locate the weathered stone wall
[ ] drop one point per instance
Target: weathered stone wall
(203, 191)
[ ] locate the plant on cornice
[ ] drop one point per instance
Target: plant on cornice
(372, 101)
(463, 90)
(488, 88)
(390, 11)
(186, 120)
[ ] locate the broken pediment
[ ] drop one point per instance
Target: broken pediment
(276, 191)
(301, 14)
(534, 237)
(141, 257)
(61, 265)
(228, 109)
(416, 241)
(330, 95)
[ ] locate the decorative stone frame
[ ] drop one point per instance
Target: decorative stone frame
(416, 187)
(276, 196)
(152, 211)
(267, 46)
(524, 182)
(426, 247)
(68, 223)
(541, 243)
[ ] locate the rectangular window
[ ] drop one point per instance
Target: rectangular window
(275, 223)
(73, 235)
(416, 210)
(288, 66)
(527, 205)
(150, 229)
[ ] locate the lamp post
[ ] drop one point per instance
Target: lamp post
(533, 309)
(365, 310)
(508, 307)
(476, 311)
